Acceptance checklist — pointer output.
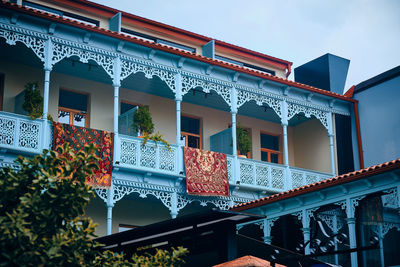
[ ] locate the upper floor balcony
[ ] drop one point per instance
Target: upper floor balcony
(90, 79)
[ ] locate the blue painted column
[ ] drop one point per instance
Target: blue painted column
(178, 101)
(331, 143)
(116, 150)
(306, 231)
(110, 205)
(267, 225)
(351, 223)
(174, 205)
(47, 69)
(284, 122)
(116, 85)
(48, 66)
(234, 109)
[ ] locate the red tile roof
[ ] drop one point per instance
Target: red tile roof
(248, 261)
(162, 47)
(338, 180)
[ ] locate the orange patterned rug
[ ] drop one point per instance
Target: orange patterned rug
(206, 173)
(77, 137)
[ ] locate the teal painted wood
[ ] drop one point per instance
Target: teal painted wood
(222, 142)
(125, 123)
(115, 22)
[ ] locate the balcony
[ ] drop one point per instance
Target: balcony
(22, 135)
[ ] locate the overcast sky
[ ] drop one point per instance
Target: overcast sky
(365, 31)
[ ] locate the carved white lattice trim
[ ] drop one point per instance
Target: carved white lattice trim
(189, 83)
(294, 109)
(246, 96)
(129, 67)
(36, 44)
(61, 51)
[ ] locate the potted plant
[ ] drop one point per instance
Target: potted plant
(243, 141)
(33, 100)
(144, 126)
(142, 121)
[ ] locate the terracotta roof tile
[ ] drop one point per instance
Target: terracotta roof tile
(248, 261)
(341, 179)
(173, 50)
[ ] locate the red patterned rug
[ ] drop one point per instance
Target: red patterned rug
(206, 173)
(77, 137)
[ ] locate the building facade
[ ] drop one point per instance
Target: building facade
(94, 64)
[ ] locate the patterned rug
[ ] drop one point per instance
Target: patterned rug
(206, 173)
(77, 137)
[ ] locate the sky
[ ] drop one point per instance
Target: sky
(367, 32)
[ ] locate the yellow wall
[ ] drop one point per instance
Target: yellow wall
(311, 146)
(104, 23)
(102, 20)
(308, 142)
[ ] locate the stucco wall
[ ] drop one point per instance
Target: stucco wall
(308, 142)
(379, 111)
(311, 146)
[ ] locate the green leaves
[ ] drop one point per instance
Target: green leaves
(41, 214)
(33, 100)
(142, 120)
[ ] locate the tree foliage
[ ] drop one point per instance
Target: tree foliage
(243, 140)
(142, 121)
(33, 100)
(41, 209)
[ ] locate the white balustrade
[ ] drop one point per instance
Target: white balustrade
(271, 176)
(152, 156)
(301, 177)
(18, 132)
(261, 174)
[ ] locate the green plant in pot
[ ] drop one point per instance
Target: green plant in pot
(143, 124)
(33, 100)
(243, 141)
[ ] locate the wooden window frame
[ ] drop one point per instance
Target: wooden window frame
(129, 103)
(75, 111)
(186, 134)
(271, 151)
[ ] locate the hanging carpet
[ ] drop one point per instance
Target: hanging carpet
(206, 173)
(78, 137)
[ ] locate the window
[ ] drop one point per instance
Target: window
(63, 14)
(157, 40)
(73, 108)
(270, 148)
(232, 61)
(125, 106)
(191, 131)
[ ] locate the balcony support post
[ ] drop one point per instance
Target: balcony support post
(267, 225)
(234, 110)
(351, 223)
(178, 101)
(284, 122)
(116, 85)
(174, 205)
(110, 205)
(48, 66)
(306, 231)
(331, 143)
